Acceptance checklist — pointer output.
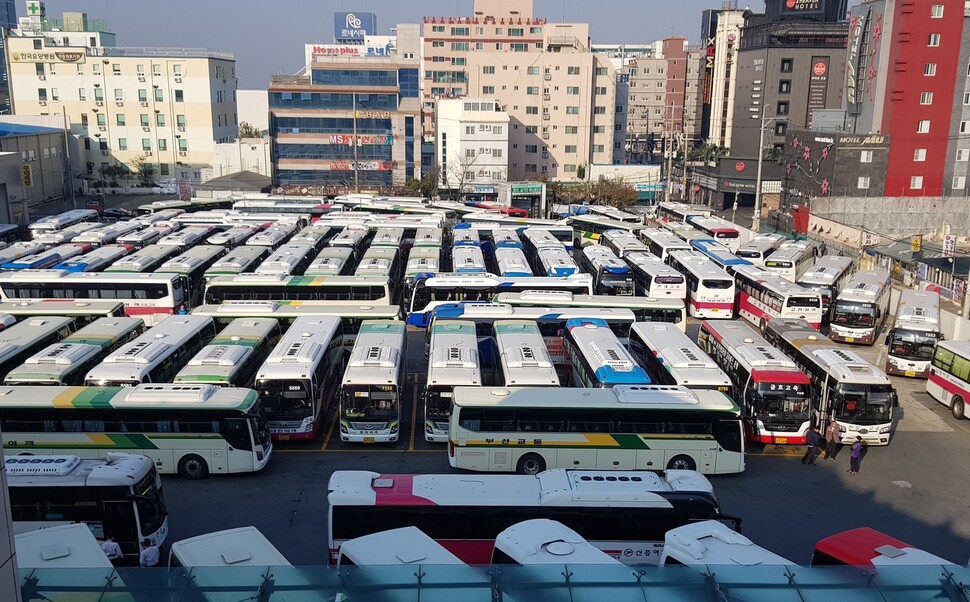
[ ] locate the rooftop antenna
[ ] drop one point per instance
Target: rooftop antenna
(563, 11)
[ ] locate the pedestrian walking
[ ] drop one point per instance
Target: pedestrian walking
(812, 452)
(149, 554)
(856, 456)
(111, 548)
(833, 436)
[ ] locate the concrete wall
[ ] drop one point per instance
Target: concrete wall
(897, 217)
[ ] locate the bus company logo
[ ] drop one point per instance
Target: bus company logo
(819, 68)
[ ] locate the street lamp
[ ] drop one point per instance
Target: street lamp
(756, 219)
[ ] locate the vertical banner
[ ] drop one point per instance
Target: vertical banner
(818, 87)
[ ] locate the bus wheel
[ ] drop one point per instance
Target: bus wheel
(957, 407)
(682, 463)
(193, 467)
(530, 464)
(764, 326)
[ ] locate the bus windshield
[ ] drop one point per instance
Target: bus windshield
(150, 502)
(378, 402)
(717, 284)
(864, 404)
(620, 285)
(912, 345)
(853, 315)
(438, 404)
(286, 399)
(784, 401)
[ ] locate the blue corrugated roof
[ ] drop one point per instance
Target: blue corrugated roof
(19, 129)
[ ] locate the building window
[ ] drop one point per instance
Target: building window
(531, 149)
(569, 168)
(488, 90)
(782, 108)
(438, 44)
(497, 152)
(966, 98)
(959, 182)
(532, 71)
(469, 129)
(122, 144)
(54, 94)
(497, 129)
(936, 11)
(865, 156)
(602, 71)
(784, 86)
(162, 144)
(183, 145)
(180, 121)
(916, 183)
(177, 70)
(459, 46)
(84, 120)
(570, 148)
(146, 144)
(42, 94)
(159, 95)
(572, 90)
(934, 40)
(120, 119)
(515, 32)
(459, 31)
(160, 119)
(781, 128)
(599, 129)
(179, 97)
(572, 110)
(531, 167)
(469, 153)
(116, 69)
(488, 70)
(964, 127)
(963, 155)
(532, 90)
(926, 98)
(572, 71)
(119, 95)
(929, 69)
(163, 168)
(531, 129)
(598, 148)
(143, 118)
(923, 127)
(438, 28)
(599, 110)
(102, 119)
(787, 65)
(532, 110)
(82, 94)
(863, 182)
(918, 155)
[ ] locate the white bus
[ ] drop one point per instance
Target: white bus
(326, 289)
(315, 236)
(193, 430)
(763, 295)
(589, 229)
(504, 238)
(948, 381)
(107, 234)
(274, 236)
(719, 229)
(534, 239)
(382, 261)
(861, 309)
(387, 237)
(468, 260)
(554, 262)
(45, 259)
(61, 221)
(913, 337)
(70, 546)
(156, 355)
(60, 237)
(289, 260)
(775, 395)
(241, 260)
(712, 543)
(528, 430)
(465, 237)
(540, 541)
(299, 379)
(143, 260)
(672, 211)
(453, 361)
(597, 357)
(147, 296)
(361, 502)
(828, 276)
(191, 265)
(644, 309)
(233, 237)
(654, 278)
(623, 242)
(710, 290)
(401, 546)
(331, 261)
(96, 260)
(242, 546)
(760, 247)
(232, 356)
(143, 238)
(611, 275)
(511, 262)
(523, 357)
(117, 495)
(672, 358)
(23, 339)
(373, 384)
(186, 237)
(661, 242)
(792, 259)
(69, 360)
(614, 214)
(857, 394)
(428, 237)
(83, 312)
(351, 237)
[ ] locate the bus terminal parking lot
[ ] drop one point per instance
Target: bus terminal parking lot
(916, 489)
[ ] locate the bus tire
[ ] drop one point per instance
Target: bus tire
(530, 464)
(682, 462)
(957, 407)
(193, 467)
(764, 326)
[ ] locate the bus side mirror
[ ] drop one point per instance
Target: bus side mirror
(895, 400)
(887, 339)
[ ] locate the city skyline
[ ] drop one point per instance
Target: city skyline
(173, 24)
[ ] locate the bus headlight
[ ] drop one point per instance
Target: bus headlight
(393, 429)
(884, 430)
(428, 429)
(343, 430)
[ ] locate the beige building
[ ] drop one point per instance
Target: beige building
(473, 142)
(166, 108)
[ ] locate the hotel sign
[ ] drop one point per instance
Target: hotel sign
(854, 62)
(49, 56)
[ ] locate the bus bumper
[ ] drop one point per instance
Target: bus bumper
(900, 367)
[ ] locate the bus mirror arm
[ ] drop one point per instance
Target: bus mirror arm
(734, 520)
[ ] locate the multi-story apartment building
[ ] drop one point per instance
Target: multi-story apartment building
(473, 142)
(352, 120)
(720, 36)
(127, 107)
(8, 20)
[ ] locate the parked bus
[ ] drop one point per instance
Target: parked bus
(655, 279)
(242, 546)
(147, 296)
(511, 263)
(865, 547)
(328, 289)
(186, 238)
(82, 312)
(721, 255)
(719, 229)
(611, 275)
(671, 211)
(373, 384)
(140, 239)
(589, 229)
(505, 238)
(299, 379)
(117, 495)
(46, 259)
(912, 340)
(710, 290)
(156, 355)
(644, 309)
(233, 237)
(192, 265)
(709, 543)
(661, 242)
(59, 237)
(541, 541)
(390, 238)
(361, 502)
(96, 260)
(828, 276)
(614, 214)
(437, 289)
(468, 260)
(428, 237)
(760, 247)
(61, 221)
(775, 395)
(241, 260)
(948, 380)
(73, 545)
(68, 361)
(597, 357)
(535, 238)
(670, 357)
(289, 260)
(861, 308)
(623, 242)
(105, 235)
(523, 358)
(351, 237)
(143, 260)
(331, 261)
(382, 262)
(162, 215)
(850, 389)
(398, 547)
(555, 262)
(453, 361)
(23, 339)
(792, 259)
(275, 236)
(622, 428)
(763, 295)
(232, 356)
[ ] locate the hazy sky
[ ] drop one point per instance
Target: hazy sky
(267, 36)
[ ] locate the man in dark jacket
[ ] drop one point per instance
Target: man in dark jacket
(812, 452)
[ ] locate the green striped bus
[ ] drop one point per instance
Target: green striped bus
(232, 357)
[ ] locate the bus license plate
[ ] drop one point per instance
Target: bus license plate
(368, 439)
(283, 437)
(850, 339)
(781, 440)
(910, 373)
(714, 310)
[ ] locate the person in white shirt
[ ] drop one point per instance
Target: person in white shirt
(149, 554)
(111, 548)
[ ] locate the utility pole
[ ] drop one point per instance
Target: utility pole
(756, 219)
(669, 149)
(356, 158)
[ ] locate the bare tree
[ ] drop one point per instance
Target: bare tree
(460, 171)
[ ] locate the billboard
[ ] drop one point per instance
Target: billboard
(76, 55)
(856, 61)
(802, 7)
(353, 27)
(818, 86)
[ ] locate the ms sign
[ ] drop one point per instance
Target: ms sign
(353, 27)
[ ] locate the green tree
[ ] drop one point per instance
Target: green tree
(248, 130)
(145, 169)
(614, 192)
